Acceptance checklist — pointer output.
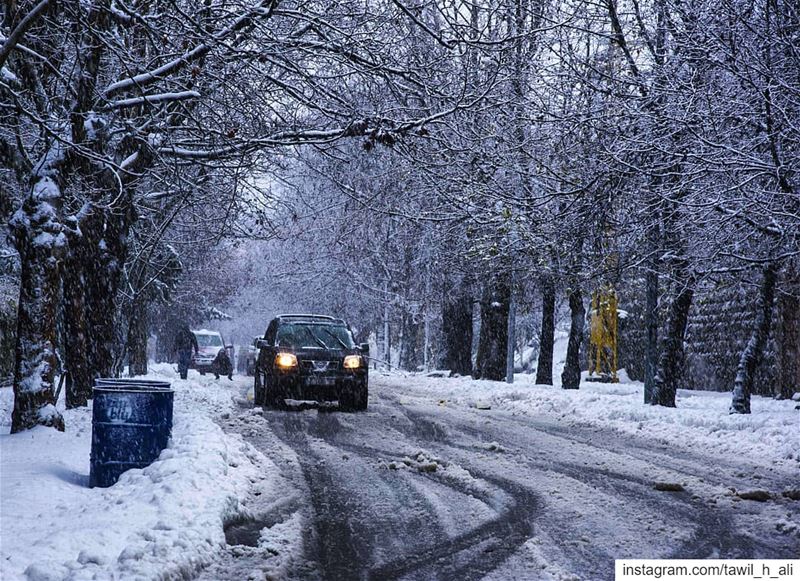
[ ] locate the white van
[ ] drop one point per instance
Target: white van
(208, 345)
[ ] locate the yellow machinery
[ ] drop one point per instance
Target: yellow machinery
(603, 336)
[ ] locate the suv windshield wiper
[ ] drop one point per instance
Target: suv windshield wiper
(317, 339)
(342, 343)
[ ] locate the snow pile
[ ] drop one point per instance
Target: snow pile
(771, 434)
(165, 520)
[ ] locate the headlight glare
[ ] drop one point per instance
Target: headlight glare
(352, 362)
(286, 360)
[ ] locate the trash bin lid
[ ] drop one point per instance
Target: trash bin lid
(132, 384)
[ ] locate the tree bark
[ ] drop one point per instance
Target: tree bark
(544, 366)
(754, 351)
(409, 354)
(571, 376)
(76, 345)
(493, 338)
(136, 344)
(665, 381)
(651, 324)
(387, 340)
(512, 331)
(40, 241)
(457, 329)
(107, 232)
(789, 335)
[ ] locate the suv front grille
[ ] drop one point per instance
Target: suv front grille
(318, 366)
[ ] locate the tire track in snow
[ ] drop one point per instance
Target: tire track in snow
(714, 533)
(340, 533)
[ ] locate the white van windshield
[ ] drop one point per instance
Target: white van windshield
(209, 340)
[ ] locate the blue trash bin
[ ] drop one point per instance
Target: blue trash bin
(131, 425)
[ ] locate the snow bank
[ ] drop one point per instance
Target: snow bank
(162, 521)
(771, 434)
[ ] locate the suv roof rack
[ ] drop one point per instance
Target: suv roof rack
(308, 317)
(304, 316)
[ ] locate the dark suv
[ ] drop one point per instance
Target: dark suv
(306, 357)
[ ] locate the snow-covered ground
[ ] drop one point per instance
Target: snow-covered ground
(700, 421)
(165, 521)
(771, 434)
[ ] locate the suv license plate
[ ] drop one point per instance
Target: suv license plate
(321, 381)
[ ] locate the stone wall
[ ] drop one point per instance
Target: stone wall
(720, 323)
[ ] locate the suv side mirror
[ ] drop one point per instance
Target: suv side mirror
(261, 343)
(364, 348)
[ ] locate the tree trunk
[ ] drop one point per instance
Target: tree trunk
(76, 345)
(654, 244)
(102, 317)
(457, 330)
(544, 367)
(789, 335)
(651, 324)
(409, 354)
(387, 342)
(108, 232)
(40, 241)
(666, 378)
(512, 332)
(571, 376)
(493, 338)
(136, 344)
(754, 352)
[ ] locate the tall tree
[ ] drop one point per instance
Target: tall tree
(754, 351)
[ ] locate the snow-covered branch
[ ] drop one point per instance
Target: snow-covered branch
(153, 99)
(262, 9)
(19, 31)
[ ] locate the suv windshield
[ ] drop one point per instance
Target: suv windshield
(204, 340)
(319, 336)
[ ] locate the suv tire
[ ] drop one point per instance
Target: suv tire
(271, 398)
(258, 389)
(354, 398)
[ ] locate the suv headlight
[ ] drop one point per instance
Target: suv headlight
(352, 362)
(286, 360)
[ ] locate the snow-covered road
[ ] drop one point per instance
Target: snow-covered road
(424, 486)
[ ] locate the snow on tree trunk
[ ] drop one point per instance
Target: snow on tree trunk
(754, 351)
(457, 330)
(669, 362)
(40, 241)
(571, 376)
(544, 366)
(493, 338)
